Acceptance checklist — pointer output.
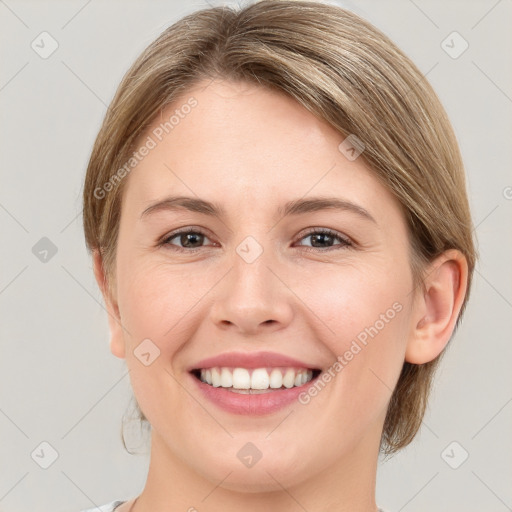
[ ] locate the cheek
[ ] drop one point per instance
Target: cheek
(365, 317)
(348, 299)
(155, 297)
(158, 303)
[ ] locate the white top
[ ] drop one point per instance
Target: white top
(110, 507)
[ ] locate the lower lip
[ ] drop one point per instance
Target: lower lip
(248, 404)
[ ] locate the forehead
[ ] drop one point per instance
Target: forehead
(240, 144)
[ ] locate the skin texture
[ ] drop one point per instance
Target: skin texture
(251, 150)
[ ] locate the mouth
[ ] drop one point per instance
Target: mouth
(255, 380)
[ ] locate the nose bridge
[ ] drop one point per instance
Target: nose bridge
(251, 273)
(251, 296)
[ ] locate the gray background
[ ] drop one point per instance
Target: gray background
(59, 382)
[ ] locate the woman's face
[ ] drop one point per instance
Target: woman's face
(259, 277)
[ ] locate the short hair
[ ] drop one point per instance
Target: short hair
(344, 71)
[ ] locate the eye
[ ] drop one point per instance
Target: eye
(190, 239)
(321, 239)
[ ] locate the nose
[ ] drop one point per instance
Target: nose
(252, 299)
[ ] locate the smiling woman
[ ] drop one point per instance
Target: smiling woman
(293, 237)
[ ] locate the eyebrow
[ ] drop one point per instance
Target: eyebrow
(295, 207)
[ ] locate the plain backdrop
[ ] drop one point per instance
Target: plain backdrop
(61, 386)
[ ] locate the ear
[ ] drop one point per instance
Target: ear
(114, 319)
(437, 307)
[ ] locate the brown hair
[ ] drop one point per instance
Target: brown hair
(343, 70)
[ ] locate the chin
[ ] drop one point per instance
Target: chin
(269, 474)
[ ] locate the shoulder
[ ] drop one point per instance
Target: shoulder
(109, 507)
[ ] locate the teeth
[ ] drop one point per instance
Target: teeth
(226, 379)
(260, 379)
(215, 377)
(256, 379)
(276, 379)
(241, 378)
(289, 378)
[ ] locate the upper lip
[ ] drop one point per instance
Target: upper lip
(250, 360)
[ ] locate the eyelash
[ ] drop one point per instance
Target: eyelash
(345, 242)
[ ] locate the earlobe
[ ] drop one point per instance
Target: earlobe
(437, 307)
(114, 320)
